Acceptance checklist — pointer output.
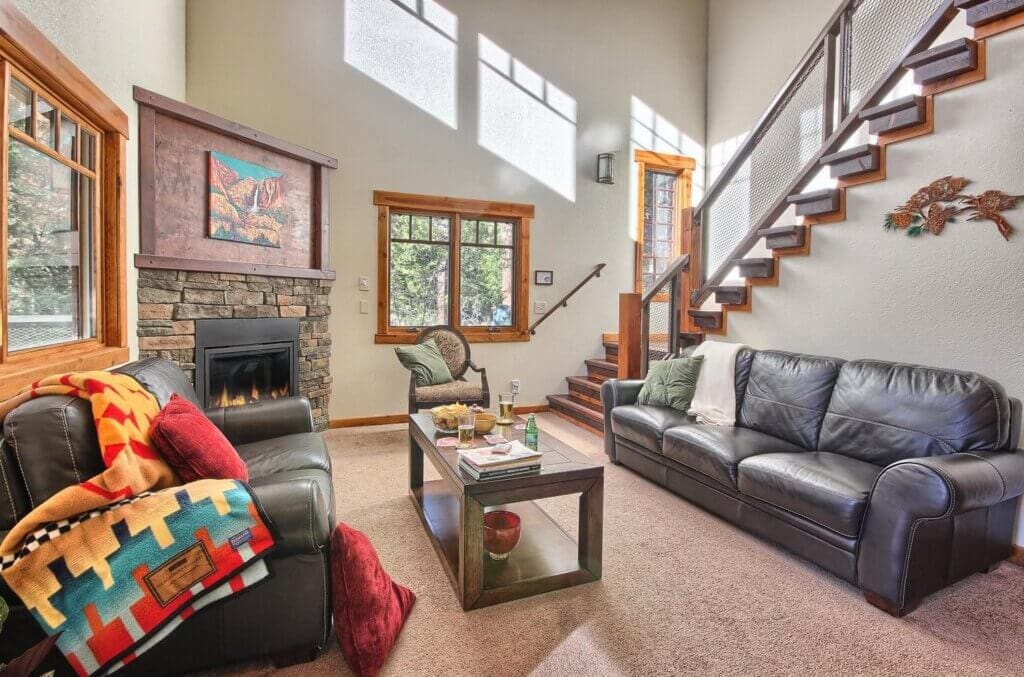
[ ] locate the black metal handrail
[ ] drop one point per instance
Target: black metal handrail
(671, 278)
(835, 136)
(563, 302)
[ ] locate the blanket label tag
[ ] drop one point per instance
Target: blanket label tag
(180, 573)
(240, 539)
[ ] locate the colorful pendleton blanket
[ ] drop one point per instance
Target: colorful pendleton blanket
(115, 563)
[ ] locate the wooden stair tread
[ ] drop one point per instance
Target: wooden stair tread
(585, 383)
(756, 268)
(601, 364)
(981, 12)
(784, 237)
(903, 113)
(564, 405)
(731, 295)
(853, 161)
(944, 61)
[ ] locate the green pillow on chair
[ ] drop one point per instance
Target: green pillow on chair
(425, 362)
(671, 383)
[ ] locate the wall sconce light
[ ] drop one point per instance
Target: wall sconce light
(606, 168)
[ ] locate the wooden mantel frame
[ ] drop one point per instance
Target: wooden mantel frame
(150, 105)
(25, 46)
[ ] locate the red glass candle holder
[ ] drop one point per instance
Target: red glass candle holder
(502, 530)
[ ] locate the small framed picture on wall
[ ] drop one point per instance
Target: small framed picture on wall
(544, 277)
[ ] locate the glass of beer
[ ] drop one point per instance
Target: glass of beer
(467, 426)
(505, 405)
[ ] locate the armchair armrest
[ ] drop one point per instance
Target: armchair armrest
(909, 495)
(263, 420)
(615, 393)
(298, 511)
(483, 382)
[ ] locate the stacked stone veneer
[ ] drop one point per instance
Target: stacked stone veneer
(171, 301)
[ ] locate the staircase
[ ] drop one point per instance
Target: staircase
(582, 405)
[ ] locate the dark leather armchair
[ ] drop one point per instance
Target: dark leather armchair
(455, 350)
(50, 442)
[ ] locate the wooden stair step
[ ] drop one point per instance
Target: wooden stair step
(981, 12)
(584, 415)
(784, 237)
(586, 401)
(756, 269)
(944, 61)
(816, 202)
(731, 295)
(895, 115)
(707, 319)
(601, 369)
(585, 386)
(690, 338)
(854, 161)
(611, 351)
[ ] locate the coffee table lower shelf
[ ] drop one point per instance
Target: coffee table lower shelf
(547, 558)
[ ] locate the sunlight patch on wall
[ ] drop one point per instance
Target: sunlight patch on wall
(650, 130)
(525, 120)
(408, 46)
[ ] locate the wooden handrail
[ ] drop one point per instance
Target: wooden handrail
(563, 302)
(938, 22)
(681, 264)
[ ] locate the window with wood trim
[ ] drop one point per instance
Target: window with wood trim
(62, 215)
(662, 213)
(463, 263)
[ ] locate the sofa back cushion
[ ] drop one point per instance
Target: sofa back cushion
(162, 378)
(882, 412)
(787, 395)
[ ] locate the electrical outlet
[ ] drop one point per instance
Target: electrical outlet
(364, 283)
(364, 307)
(540, 307)
(515, 386)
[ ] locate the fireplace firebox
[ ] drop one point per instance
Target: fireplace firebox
(240, 361)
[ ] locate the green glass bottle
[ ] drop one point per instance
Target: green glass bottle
(531, 433)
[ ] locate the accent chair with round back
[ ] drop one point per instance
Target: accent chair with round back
(455, 351)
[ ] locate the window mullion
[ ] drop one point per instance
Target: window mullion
(455, 274)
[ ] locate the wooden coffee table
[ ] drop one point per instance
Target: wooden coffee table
(452, 510)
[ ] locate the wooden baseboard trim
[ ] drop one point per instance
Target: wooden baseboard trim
(1017, 556)
(387, 419)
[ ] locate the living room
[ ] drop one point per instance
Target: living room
(420, 336)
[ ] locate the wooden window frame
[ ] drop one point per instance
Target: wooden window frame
(27, 55)
(683, 168)
(456, 209)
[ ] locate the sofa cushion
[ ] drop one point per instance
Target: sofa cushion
(646, 425)
(828, 489)
(882, 412)
(671, 383)
(162, 378)
(425, 362)
(787, 395)
(301, 451)
(716, 451)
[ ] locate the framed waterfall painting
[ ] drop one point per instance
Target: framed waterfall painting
(246, 201)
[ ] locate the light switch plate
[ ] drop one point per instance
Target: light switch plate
(540, 307)
(364, 283)
(364, 307)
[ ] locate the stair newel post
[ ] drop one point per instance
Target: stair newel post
(632, 322)
(675, 290)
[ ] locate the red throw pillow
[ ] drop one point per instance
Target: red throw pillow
(369, 608)
(193, 446)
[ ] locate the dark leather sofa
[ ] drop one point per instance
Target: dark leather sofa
(899, 478)
(50, 442)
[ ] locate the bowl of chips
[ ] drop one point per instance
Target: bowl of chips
(446, 417)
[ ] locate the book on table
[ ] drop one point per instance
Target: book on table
(488, 462)
(499, 473)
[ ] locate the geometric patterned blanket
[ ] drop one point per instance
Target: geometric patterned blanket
(116, 562)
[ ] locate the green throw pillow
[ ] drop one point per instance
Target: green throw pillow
(425, 362)
(671, 383)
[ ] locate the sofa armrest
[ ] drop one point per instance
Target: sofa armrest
(615, 393)
(263, 420)
(911, 493)
(298, 511)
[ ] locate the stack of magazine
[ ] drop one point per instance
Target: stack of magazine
(490, 463)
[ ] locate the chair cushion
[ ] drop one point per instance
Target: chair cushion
(425, 362)
(301, 451)
(370, 609)
(827, 489)
(787, 395)
(193, 446)
(883, 412)
(647, 425)
(716, 451)
(456, 391)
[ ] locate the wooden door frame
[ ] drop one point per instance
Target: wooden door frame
(683, 168)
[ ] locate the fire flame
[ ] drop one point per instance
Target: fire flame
(225, 399)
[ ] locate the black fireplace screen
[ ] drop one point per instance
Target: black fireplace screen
(240, 361)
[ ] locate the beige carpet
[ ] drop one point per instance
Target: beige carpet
(683, 593)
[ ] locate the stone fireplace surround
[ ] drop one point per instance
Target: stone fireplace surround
(170, 301)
